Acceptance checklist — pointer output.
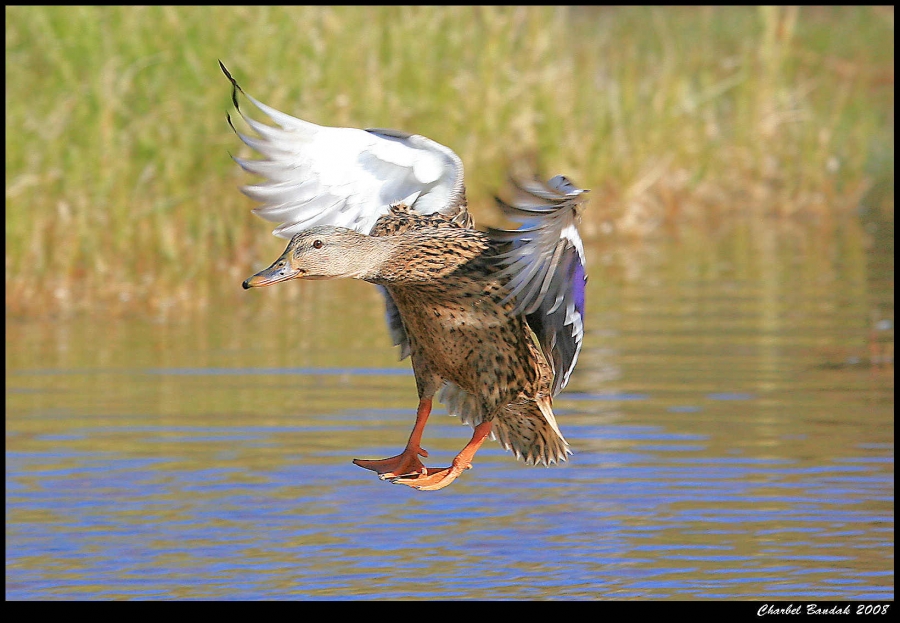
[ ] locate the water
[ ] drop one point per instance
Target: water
(731, 418)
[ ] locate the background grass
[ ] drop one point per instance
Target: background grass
(121, 196)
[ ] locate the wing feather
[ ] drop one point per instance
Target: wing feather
(544, 262)
(319, 175)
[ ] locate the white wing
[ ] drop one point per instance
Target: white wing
(345, 177)
(544, 260)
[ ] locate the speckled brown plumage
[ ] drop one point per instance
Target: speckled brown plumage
(443, 279)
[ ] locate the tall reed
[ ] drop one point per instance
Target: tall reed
(121, 196)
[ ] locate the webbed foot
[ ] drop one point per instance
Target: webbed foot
(431, 479)
(406, 463)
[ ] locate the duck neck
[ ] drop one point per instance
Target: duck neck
(423, 256)
(369, 257)
(384, 260)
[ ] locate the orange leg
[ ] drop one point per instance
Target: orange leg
(432, 480)
(407, 462)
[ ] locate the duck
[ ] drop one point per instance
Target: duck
(492, 321)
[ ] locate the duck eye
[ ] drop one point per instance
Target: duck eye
(317, 244)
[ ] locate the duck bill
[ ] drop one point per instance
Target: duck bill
(280, 271)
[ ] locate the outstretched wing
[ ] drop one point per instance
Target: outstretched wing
(345, 177)
(544, 260)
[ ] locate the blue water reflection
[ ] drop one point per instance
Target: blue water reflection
(658, 517)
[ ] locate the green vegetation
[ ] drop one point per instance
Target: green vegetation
(120, 194)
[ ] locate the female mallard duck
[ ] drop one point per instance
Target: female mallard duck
(492, 322)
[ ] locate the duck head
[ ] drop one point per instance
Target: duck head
(323, 252)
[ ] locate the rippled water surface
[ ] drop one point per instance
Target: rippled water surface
(731, 420)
